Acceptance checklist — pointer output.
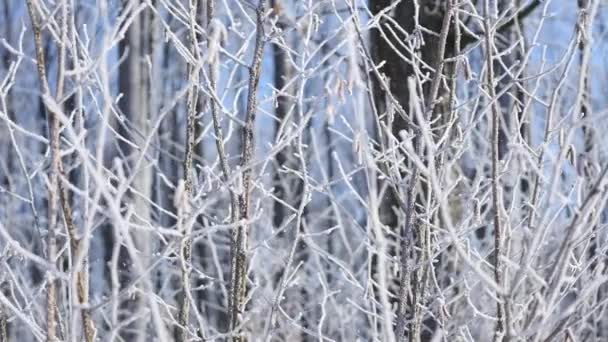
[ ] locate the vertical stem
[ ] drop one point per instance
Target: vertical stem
(280, 73)
(586, 91)
(213, 65)
(239, 236)
(500, 328)
(408, 228)
(186, 244)
(53, 123)
(81, 270)
(3, 330)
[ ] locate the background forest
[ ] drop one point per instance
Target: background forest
(303, 170)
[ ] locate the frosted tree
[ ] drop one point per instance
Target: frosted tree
(327, 170)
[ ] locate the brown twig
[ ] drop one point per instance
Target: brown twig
(239, 236)
(3, 330)
(51, 287)
(185, 228)
(498, 234)
(82, 277)
(57, 191)
(468, 38)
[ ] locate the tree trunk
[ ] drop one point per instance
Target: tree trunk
(281, 75)
(398, 70)
(134, 85)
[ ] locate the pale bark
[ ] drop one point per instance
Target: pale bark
(135, 87)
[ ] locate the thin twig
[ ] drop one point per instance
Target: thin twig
(498, 234)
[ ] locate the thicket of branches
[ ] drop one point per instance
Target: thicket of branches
(303, 170)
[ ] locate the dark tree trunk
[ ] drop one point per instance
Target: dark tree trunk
(288, 188)
(388, 47)
(281, 74)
